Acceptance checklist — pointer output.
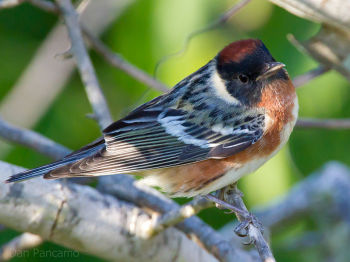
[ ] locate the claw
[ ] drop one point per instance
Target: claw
(242, 228)
(251, 241)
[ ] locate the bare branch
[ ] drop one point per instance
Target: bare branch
(329, 47)
(32, 140)
(44, 5)
(331, 12)
(216, 23)
(231, 12)
(124, 187)
(178, 215)
(58, 210)
(328, 187)
(111, 57)
(118, 62)
(326, 191)
(30, 89)
(84, 64)
(19, 244)
(308, 76)
(9, 3)
(323, 123)
(233, 196)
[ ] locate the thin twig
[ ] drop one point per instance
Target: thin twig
(118, 62)
(44, 5)
(9, 3)
(123, 187)
(18, 245)
(216, 23)
(323, 123)
(233, 196)
(87, 72)
(112, 58)
(178, 215)
(39, 143)
(231, 12)
(327, 190)
(301, 80)
(224, 205)
(32, 140)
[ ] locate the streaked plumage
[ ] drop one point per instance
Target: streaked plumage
(192, 140)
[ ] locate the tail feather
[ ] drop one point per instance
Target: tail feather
(39, 171)
(71, 158)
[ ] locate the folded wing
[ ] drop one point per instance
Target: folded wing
(152, 137)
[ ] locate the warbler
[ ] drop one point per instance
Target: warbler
(218, 124)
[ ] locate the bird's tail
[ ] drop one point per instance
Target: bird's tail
(71, 158)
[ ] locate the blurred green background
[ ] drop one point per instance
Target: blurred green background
(148, 31)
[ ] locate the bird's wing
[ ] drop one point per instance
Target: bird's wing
(153, 137)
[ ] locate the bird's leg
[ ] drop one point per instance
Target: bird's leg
(230, 198)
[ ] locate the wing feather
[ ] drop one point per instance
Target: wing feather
(159, 138)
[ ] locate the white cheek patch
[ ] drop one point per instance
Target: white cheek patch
(221, 91)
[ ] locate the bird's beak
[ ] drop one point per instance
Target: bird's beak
(270, 69)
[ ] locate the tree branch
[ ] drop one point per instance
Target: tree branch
(328, 187)
(125, 187)
(331, 45)
(326, 190)
(231, 12)
(9, 3)
(331, 12)
(45, 5)
(233, 196)
(301, 80)
(32, 140)
(323, 123)
(112, 58)
(118, 62)
(178, 215)
(223, 18)
(87, 72)
(57, 211)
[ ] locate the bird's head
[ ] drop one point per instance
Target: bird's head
(244, 68)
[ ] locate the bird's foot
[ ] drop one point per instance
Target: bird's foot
(242, 229)
(230, 198)
(221, 204)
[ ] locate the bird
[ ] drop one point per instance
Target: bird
(218, 124)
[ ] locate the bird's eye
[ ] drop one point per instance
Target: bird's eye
(243, 78)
